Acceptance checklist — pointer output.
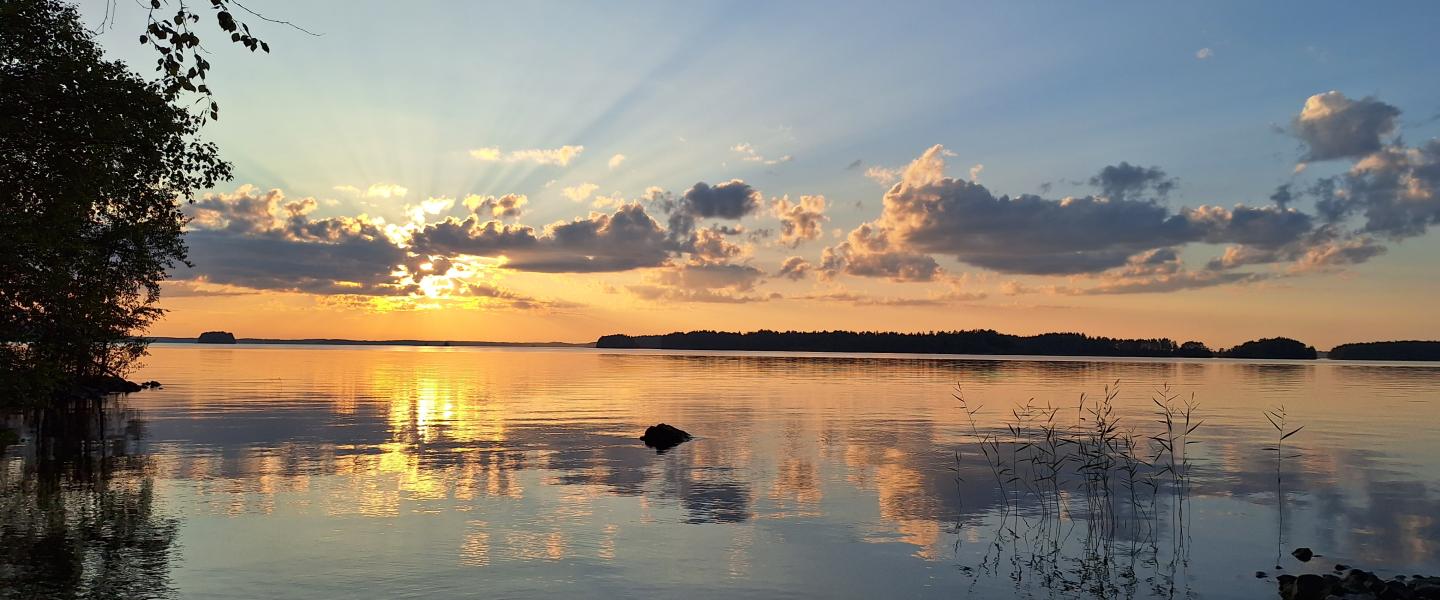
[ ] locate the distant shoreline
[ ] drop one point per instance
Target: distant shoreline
(345, 342)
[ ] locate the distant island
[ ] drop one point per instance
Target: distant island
(980, 341)
(216, 337)
(1271, 348)
(1403, 350)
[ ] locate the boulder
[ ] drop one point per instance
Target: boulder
(663, 437)
(1303, 554)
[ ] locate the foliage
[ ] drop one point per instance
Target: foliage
(1406, 350)
(94, 161)
(983, 341)
(1271, 348)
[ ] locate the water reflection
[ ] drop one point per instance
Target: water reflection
(78, 510)
(418, 471)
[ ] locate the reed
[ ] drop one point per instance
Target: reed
(1100, 472)
(1279, 419)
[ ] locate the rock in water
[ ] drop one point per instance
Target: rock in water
(663, 437)
(1303, 554)
(1304, 587)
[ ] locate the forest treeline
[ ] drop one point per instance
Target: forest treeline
(981, 341)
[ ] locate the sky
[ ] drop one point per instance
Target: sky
(545, 171)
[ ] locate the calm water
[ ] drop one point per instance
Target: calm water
(338, 472)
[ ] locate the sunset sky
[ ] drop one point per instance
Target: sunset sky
(536, 171)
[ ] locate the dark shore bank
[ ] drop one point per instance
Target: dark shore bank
(990, 342)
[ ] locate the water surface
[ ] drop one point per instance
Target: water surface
(390, 472)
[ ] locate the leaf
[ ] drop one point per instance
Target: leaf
(1297, 430)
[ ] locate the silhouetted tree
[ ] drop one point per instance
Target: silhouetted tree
(94, 162)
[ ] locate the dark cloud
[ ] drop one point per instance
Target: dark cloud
(1332, 126)
(730, 200)
(258, 240)
(627, 239)
(854, 165)
(1118, 182)
(1283, 196)
(930, 213)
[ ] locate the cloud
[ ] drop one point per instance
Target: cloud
(555, 156)
(1122, 181)
(1396, 189)
(710, 245)
(717, 283)
(258, 240)
(749, 154)
(867, 252)
(509, 206)
(580, 192)
(1170, 282)
(1204, 53)
(854, 166)
(794, 268)
(883, 175)
(930, 213)
(975, 172)
(740, 278)
(620, 241)
(730, 200)
(376, 190)
(615, 161)
(1333, 126)
(800, 222)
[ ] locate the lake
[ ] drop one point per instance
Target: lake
(404, 472)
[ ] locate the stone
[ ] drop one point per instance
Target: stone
(1303, 554)
(663, 437)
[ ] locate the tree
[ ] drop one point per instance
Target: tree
(94, 163)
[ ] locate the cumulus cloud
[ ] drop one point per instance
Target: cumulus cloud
(731, 200)
(1204, 53)
(868, 252)
(509, 206)
(795, 268)
(259, 240)
(930, 213)
(541, 156)
(1122, 181)
(623, 240)
(1332, 126)
(800, 222)
(579, 192)
(616, 160)
(1396, 189)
